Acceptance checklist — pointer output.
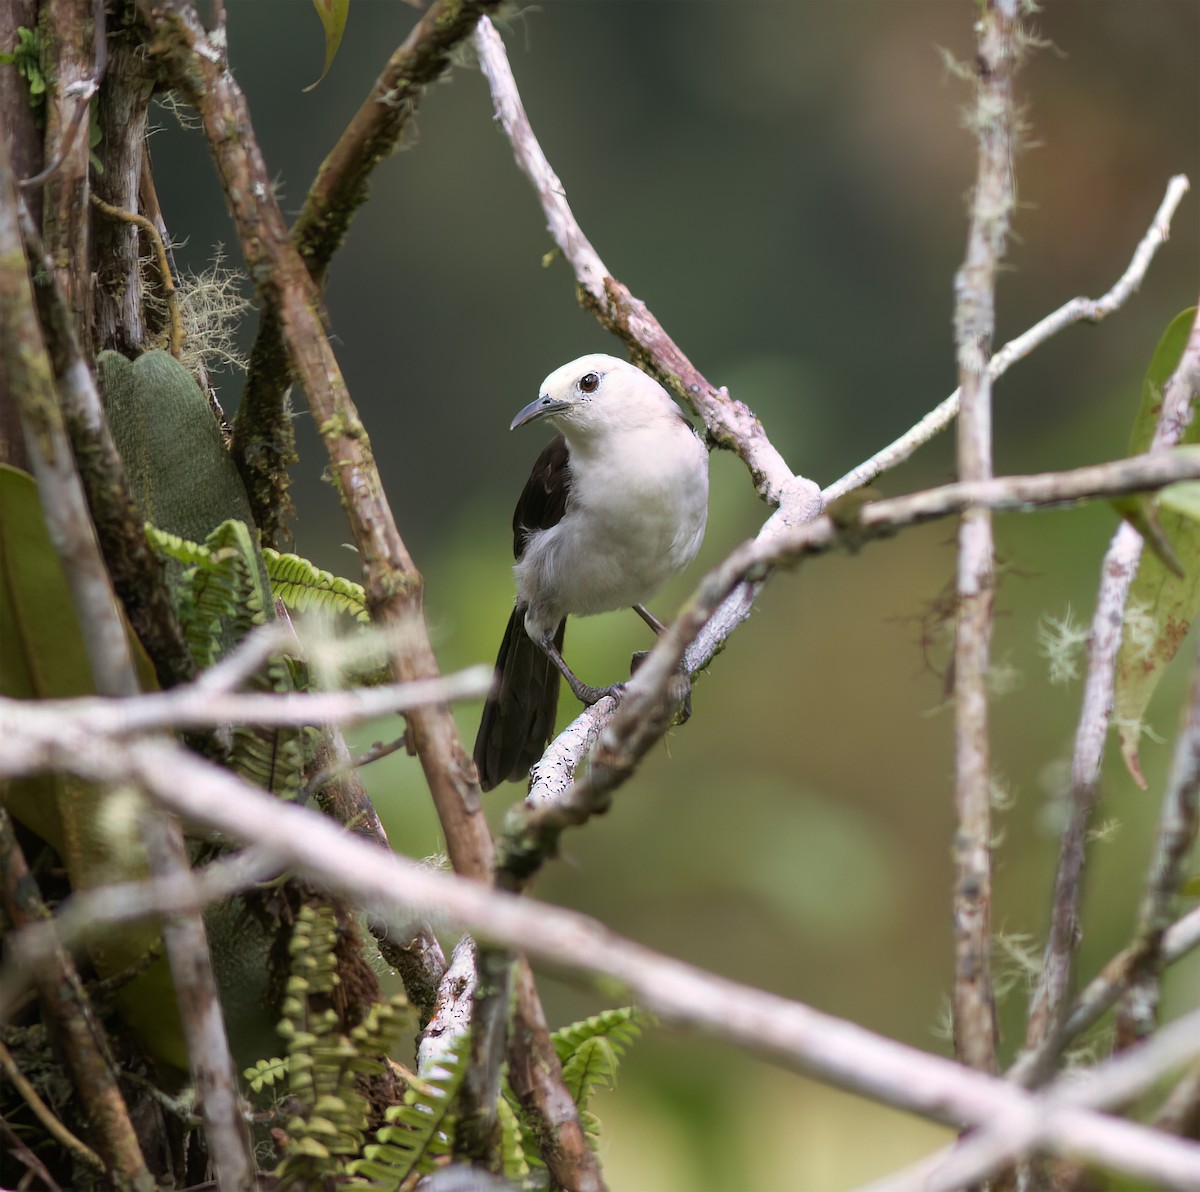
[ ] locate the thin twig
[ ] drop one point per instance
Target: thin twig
(19, 1151)
(1077, 310)
(194, 706)
(1138, 1013)
(45, 1114)
(1048, 1003)
(169, 293)
(1102, 992)
(1013, 1135)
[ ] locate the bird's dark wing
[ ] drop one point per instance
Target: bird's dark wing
(518, 718)
(544, 499)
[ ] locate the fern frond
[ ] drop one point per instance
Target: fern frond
(620, 1027)
(330, 1122)
(514, 1164)
(266, 1073)
(419, 1132)
(221, 595)
(592, 1063)
(302, 587)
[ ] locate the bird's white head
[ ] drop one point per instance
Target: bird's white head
(596, 393)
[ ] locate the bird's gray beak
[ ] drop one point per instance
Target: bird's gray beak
(541, 408)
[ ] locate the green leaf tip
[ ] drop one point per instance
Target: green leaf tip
(333, 14)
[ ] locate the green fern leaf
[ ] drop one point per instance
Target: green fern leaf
(302, 586)
(420, 1131)
(620, 1027)
(593, 1063)
(266, 1073)
(512, 1145)
(222, 596)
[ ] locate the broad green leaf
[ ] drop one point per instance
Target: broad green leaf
(1162, 365)
(1161, 606)
(333, 15)
(1183, 498)
(1139, 511)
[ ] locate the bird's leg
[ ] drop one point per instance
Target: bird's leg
(640, 656)
(650, 619)
(582, 692)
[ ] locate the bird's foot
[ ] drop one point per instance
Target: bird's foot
(588, 695)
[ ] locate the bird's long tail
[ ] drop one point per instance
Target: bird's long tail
(518, 718)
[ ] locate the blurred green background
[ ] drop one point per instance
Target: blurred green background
(784, 184)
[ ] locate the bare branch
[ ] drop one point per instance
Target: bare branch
(788, 1032)
(1116, 575)
(998, 37)
(1077, 310)
(1037, 1124)
(730, 423)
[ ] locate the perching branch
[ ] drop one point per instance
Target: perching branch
(623, 733)
(800, 500)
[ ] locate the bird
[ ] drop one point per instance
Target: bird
(615, 506)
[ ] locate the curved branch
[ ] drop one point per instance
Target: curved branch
(730, 423)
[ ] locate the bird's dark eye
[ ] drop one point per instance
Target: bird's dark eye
(589, 382)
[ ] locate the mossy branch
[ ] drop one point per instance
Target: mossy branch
(263, 445)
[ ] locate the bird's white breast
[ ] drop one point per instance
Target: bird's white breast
(635, 517)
